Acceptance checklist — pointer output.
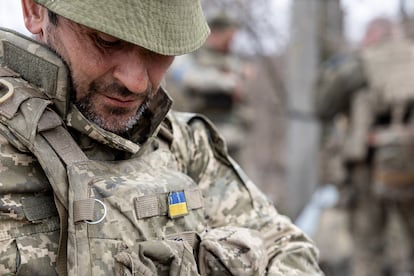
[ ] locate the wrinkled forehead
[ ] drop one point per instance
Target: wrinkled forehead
(168, 27)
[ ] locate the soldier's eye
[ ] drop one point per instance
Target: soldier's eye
(107, 41)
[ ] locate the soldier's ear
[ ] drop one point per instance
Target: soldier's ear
(35, 16)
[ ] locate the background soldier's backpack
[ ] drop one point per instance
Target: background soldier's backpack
(388, 67)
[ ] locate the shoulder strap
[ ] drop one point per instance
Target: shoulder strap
(216, 141)
(28, 123)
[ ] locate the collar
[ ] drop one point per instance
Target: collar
(147, 125)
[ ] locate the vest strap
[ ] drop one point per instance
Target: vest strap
(191, 237)
(156, 205)
(83, 210)
(7, 72)
(64, 145)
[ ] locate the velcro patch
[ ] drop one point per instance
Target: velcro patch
(39, 207)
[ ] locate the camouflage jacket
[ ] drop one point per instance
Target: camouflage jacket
(53, 162)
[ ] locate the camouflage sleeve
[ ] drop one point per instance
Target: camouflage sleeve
(232, 200)
(338, 79)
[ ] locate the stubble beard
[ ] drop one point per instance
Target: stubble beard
(86, 107)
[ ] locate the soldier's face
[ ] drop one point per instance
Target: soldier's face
(112, 79)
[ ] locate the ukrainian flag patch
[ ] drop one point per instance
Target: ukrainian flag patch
(177, 204)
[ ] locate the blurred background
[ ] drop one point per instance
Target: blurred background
(263, 102)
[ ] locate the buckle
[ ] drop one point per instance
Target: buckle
(10, 90)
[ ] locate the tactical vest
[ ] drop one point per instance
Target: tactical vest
(143, 215)
(146, 197)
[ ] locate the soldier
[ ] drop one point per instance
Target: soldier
(210, 81)
(99, 177)
(369, 96)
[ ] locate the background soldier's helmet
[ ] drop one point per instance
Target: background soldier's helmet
(222, 20)
(168, 27)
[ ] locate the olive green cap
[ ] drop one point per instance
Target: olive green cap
(168, 27)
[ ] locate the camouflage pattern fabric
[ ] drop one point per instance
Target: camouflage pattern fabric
(221, 252)
(157, 258)
(127, 175)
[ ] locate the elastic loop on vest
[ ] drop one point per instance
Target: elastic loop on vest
(10, 91)
(83, 210)
(103, 216)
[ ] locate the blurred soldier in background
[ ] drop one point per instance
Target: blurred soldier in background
(210, 81)
(366, 98)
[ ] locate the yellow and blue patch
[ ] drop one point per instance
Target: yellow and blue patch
(177, 204)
